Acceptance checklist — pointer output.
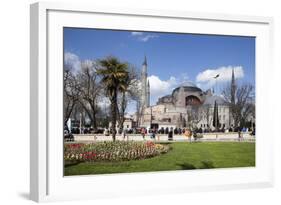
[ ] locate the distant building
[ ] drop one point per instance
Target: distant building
(129, 123)
(186, 105)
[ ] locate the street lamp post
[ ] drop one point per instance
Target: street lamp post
(216, 80)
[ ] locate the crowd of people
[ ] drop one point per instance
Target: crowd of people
(162, 130)
(169, 131)
(181, 131)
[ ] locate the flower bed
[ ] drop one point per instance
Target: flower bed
(112, 151)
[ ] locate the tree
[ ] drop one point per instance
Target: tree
(70, 93)
(137, 99)
(241, 103)
(128, 92)
(206, 114)
(89, 90)
(103, 114)
(194, 115)
(216, 122)
(114, 73)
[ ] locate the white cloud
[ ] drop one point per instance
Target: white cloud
(206, 78)
(141, 36)
(72, 62)
(147, 37)
(103, 102)
(137, 33)
(159, 88)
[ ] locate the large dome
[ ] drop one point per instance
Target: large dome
(188, 86)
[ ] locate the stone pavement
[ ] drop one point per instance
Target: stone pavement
(163, 137)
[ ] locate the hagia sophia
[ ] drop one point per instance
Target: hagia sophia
(185, 105)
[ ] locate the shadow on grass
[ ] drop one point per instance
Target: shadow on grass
(70, 164)
(164, 143)
(207, 164)
(186, 166)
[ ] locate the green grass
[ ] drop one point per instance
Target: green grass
(182, 156)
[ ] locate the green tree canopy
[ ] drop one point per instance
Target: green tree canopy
(114, 75)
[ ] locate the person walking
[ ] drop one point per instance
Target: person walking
(188, 134)
(143, 133)
(124, 133)
(153, 133)
(240, 136)
(170, 134)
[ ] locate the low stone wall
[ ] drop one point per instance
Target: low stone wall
(164, 137)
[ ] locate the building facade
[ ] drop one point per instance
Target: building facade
(186, 106)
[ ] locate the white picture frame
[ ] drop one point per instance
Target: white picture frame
(47, 182)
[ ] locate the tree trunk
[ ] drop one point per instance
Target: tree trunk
(68, 112)
(123, 108)
(94, 120)
(114, 113)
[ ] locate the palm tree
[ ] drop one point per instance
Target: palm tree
(125, 82)
(114, 73)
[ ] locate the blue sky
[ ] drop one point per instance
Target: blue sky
(172, 58)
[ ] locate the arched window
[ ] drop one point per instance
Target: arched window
(192, 100)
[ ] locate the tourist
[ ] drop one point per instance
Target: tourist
(180, 131)
(194, 135)
(188, 134)
(253, 132)
(170, 134)
(143, 133)
(240, 136)
(124, 133)
(153, 133)
(176, 131)
(167, 130)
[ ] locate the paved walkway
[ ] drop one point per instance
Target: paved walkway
(164, 138)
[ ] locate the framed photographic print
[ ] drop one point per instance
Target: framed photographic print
(130, 102)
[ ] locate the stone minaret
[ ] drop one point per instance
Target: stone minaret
(148, 94)
(144, 84)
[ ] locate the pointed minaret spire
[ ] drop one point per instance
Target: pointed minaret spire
(145, 62)
(232, 77)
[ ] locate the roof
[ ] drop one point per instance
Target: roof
(167, 96)
(210, 100)
(188, 86)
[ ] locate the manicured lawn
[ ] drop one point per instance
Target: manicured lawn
(182, 156)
